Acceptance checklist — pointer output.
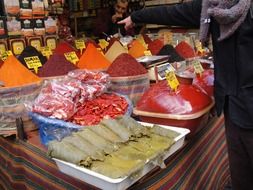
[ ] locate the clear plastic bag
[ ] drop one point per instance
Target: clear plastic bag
(52, 129)
(59, 98)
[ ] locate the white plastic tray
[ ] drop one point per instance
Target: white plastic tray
(107, 183)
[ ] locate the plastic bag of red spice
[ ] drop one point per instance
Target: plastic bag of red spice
(108, 105)
(59, 98)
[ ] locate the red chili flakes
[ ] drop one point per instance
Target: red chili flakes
(104, 106)
(125, 65)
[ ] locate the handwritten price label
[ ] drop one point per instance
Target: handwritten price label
(46, 51)
(103, 43)
(6, 54)
(72, 57)
(197, 67)
(80, 44)
(171, 79)
(33, 63)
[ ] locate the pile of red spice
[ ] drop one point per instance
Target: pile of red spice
(57, 65)
(185, 50)
(155, 46)
(64, 47)
(125, 65)
(104, 106)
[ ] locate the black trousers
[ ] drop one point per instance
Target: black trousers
(240, 153)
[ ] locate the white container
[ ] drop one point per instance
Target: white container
(107, 183)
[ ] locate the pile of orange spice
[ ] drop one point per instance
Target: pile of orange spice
(14, 74)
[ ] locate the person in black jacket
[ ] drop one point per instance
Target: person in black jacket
(106, 22)
(230, 24)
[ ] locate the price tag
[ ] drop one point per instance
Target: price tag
(33, 63)
(171, 79)
(197, 67)
(6, 54)
(80, 44)
(103, 43)
(199, 46)
(46, 51)
(72, 57)
(147, 53)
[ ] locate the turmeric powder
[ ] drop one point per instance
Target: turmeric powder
(14, 74)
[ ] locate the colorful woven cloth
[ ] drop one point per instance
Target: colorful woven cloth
(201, 164)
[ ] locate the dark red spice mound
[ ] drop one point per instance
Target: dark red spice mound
(185, 50)
(125, 65)
(155, 46)
(64, 47)
(57, 65)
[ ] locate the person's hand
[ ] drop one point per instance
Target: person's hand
(127, 22)
(116, 17)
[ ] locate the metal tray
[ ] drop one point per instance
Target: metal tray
(150, 61)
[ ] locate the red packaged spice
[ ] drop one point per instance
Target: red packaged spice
(185, 50)
(155, 46)
(125, 65)
(57, 65)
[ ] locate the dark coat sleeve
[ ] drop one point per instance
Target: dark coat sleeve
(185, 14)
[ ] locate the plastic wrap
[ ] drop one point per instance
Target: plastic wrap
(89, 77)
(60, 98)
(52, 129)
(107, 105)
(56, 129)
(187, 99)
(205, 82)
(12, 102)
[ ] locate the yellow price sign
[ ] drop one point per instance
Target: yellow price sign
(72, 57)
(171, 79)
(33, 63)
(46, 51)
(6, 54)
(103, 43)
(147, 53)
(197, 67)
(80, 44)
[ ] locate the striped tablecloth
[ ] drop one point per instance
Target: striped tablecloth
(201, 164)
